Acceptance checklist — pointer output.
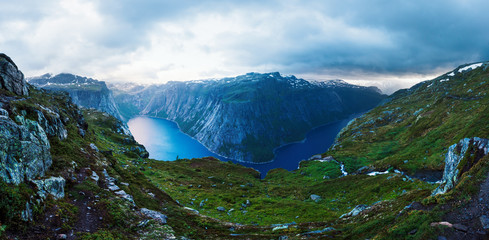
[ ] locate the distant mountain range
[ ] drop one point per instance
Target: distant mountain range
(247, 116)
(242, 118)
(85, 92)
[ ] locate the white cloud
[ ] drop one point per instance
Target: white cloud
(386, 43)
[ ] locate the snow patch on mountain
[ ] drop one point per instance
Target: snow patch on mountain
(470, 67)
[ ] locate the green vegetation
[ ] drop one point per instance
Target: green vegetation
(411, 132)
(282, 197)
(102, 235)
(12, 202)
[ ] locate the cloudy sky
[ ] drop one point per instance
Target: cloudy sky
(387, 43)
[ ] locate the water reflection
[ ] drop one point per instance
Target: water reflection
(164, 141)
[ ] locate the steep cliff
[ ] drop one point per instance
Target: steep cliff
(85, 92)
(28, 125)
(11, 79)
(246, 117)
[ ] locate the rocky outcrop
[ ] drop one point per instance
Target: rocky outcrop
(25, 129)
(355, 211)
(246, 117)
(84, 92)
(52, 123)
(24, 150)
(110, 182)
(26, 214)
(11, 78)
(53, 186)
(459, 159)
(157, 216)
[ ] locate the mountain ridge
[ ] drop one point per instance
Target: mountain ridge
(235, 116)
(86, 179)
(85, 92)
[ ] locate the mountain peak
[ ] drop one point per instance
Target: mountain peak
(61, 78)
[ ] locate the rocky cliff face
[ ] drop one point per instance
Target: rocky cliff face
(246, 117)
(460, 158)
(11, 78)
(24, 149)
(24, 152)
(24, 137)
(28, 124)
(85, 92)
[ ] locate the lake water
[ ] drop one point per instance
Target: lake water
(164, 141)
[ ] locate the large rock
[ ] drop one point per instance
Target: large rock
(11, 78)
(157, 216)
(315, 198)
(357, 210)
(24, 150)
(459, 159)
(54, 186)
(52, 124)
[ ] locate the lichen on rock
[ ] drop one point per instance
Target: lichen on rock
(53, 186)
(11, 78)
(461, 157)
(24, 150)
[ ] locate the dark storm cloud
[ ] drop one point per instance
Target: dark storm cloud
(423, 35)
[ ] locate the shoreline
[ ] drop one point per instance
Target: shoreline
(239, 161)
(181, 132)
(225, 158)
(312, 129)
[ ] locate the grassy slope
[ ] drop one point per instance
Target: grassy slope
(411, 132)
(417, 125)
(414, 129)
(282, 197)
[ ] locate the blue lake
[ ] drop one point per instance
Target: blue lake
(164, 141)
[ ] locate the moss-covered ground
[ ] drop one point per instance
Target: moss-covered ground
(413, 130)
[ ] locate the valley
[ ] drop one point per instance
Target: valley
(244, 120)
(246, 117)
(64, 167)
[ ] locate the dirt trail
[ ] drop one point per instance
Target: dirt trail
(469, 217)
(89, 219)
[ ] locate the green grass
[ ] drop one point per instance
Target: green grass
(392, 135)
(281, 197)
